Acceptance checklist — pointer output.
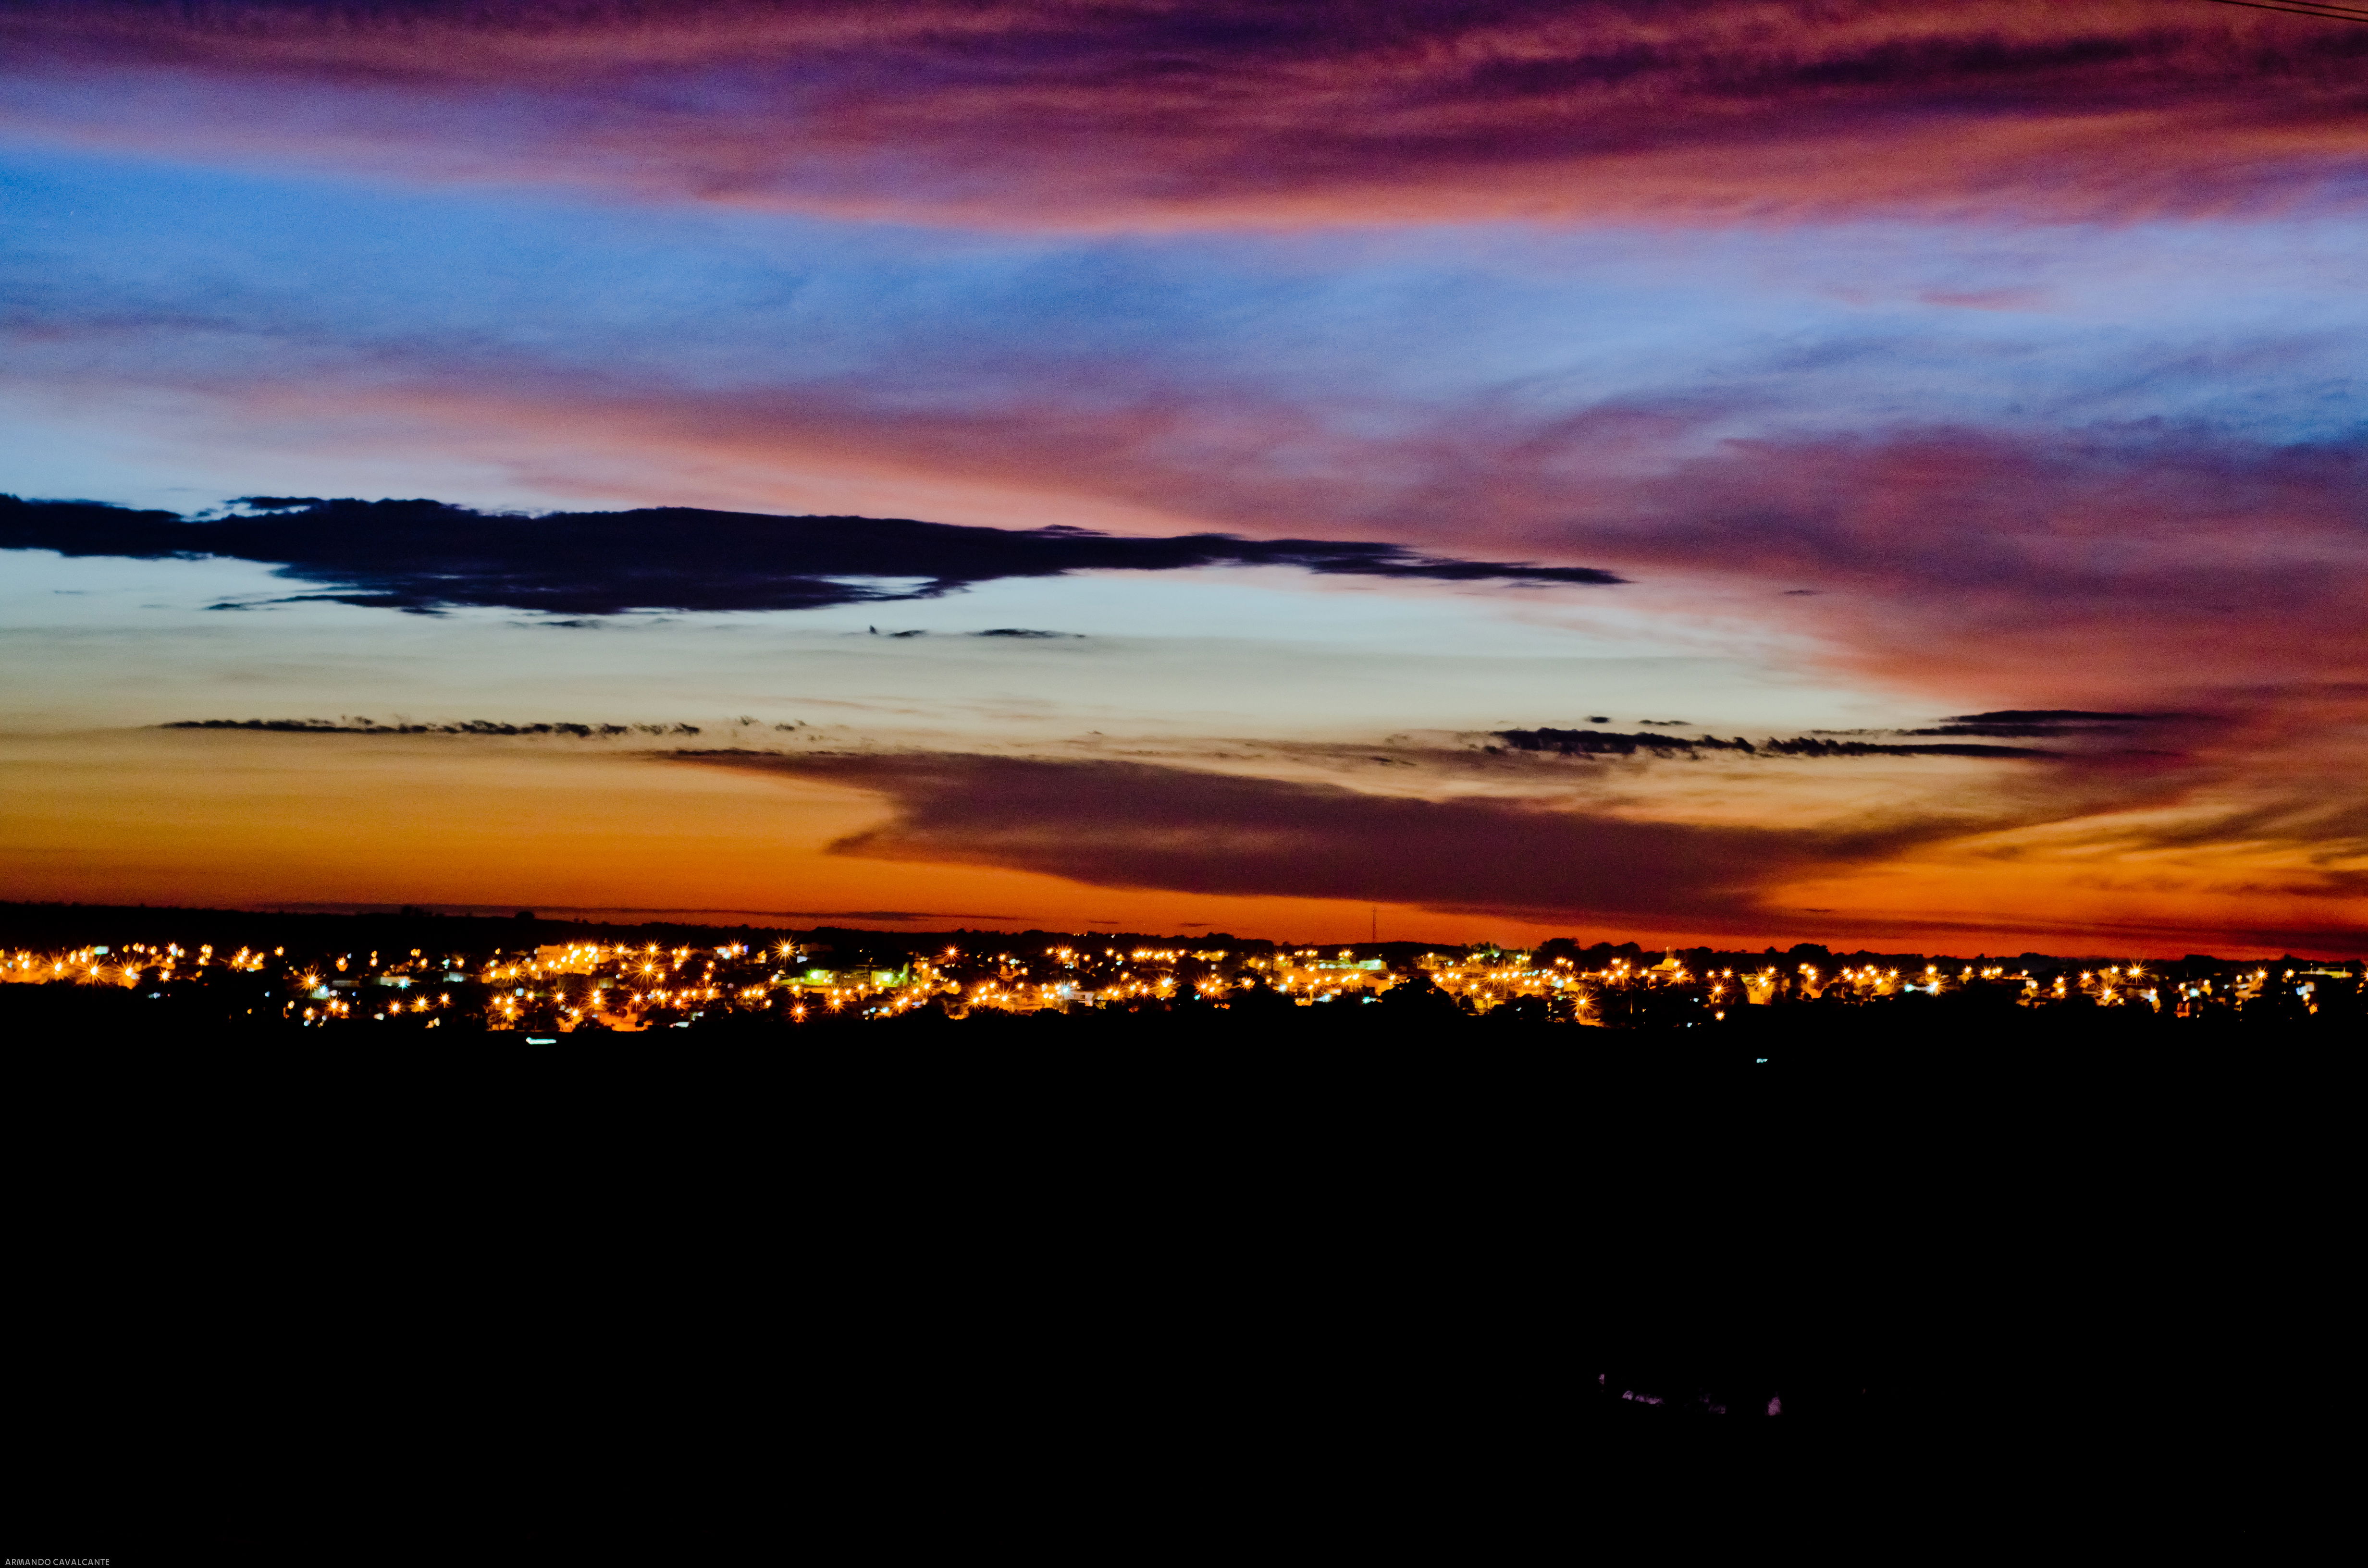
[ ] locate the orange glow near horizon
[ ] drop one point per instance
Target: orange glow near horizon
(266, 821)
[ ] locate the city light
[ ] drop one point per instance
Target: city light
(628, 987)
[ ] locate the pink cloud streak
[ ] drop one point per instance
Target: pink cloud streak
(1160, 115)
(2105, 568)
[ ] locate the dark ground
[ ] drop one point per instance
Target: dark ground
(1008, 1275)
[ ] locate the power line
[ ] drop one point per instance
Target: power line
(2301, 8)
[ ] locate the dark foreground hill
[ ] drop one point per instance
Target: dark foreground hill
(1803, 1270)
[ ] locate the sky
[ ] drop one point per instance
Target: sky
(1683, 471)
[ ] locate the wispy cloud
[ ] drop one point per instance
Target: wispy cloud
(1144, 113)
(2131, 846)
(1606, 743)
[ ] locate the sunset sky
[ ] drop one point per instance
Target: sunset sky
(1976, 386)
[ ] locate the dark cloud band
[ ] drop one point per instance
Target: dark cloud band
(1136, 825)
(424, 555)
(1603, 743)
(2024, 723)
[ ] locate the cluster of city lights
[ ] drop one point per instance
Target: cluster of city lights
(130, 967)
(631, 986)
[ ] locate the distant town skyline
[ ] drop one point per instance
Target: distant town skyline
(276, 972)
